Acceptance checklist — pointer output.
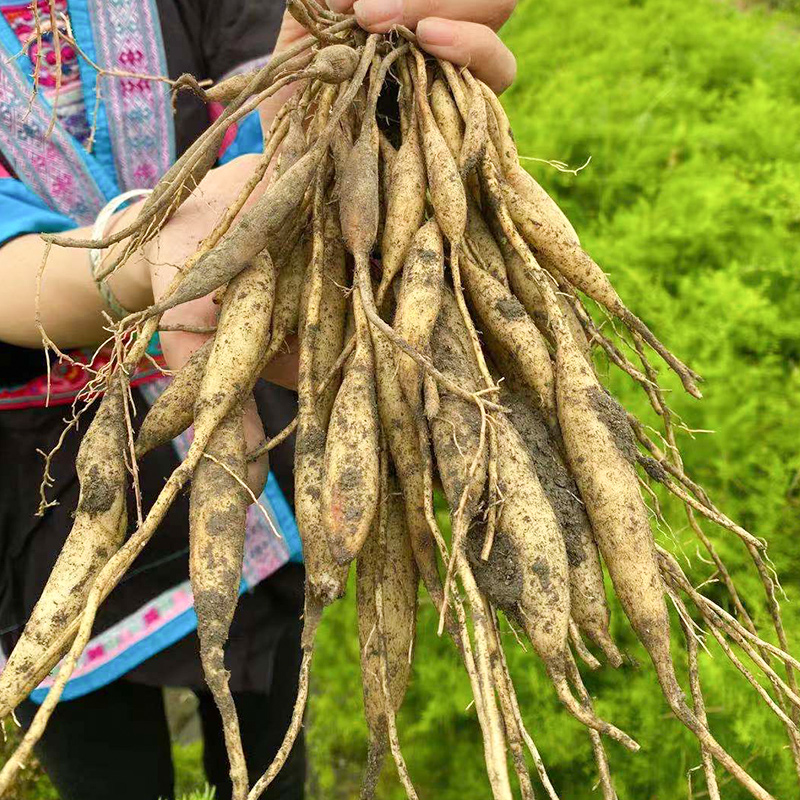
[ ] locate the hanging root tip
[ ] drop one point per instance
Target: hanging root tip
(187, 82)
(692, 389)
(689, 378)
(677, 702)
(372, 772)
(580, 648)
(213, 661)
(587, 717)
(604, 641)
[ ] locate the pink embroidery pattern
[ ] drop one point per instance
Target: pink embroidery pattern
(67, 380)
(128, 37)
(71, 106)
(93, 653)
(265, 550)
(130, 631)
(52, 168)
(151, 616)
(214, 112)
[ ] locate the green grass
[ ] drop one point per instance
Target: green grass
(190, 780)
(33, 784)
(203, 794)
(690, 112)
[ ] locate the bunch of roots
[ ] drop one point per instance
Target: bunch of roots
(440, 299)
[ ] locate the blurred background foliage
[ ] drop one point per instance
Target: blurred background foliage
(690, 113)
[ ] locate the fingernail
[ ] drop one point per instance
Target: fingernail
(340, 6)
(373, 13)
(436, 32)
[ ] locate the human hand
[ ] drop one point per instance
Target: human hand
(177, 242)
(172, 248)
(461, 31)
(192, 223)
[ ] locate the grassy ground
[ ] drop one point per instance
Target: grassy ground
(203, 794)
(33, 783)
(190, 781)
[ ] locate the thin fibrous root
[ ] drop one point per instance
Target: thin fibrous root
(526, 737)
(601, 759)
(581, 649)
(511, 721)
(391, 723)
(697, 693)
(312, 617)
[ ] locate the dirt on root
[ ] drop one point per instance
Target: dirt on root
(554, 475)
(653, 469)
(615, 418)
(499, 577)
(510, 308)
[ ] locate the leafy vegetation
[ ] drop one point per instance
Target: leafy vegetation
(33, 784)
(190, 779)
(204, 794)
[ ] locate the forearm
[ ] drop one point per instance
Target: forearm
(70, 304)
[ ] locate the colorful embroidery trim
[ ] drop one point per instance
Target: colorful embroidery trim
(54, 168)
(71, 108)
(272, 541)
(127, 38)
(68, 380)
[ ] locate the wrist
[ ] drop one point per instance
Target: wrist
(130, 283)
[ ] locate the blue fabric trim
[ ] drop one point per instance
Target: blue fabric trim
(249, 139)
(285, 519)
(23, 211)
(11, 45)
(82, 28)
(129, 659)
(182, 625)
(154, 348)
(163, 638)
(7, 36)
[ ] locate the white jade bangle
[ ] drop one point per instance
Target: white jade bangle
(96, 256)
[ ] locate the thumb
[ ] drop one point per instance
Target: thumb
(291, 31)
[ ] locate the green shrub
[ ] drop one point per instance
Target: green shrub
(190, 779)
(690, 112)
(32, 784)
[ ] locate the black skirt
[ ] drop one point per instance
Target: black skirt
(207, 38)
(30, 544)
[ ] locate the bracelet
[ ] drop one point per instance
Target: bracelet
(96, 256)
